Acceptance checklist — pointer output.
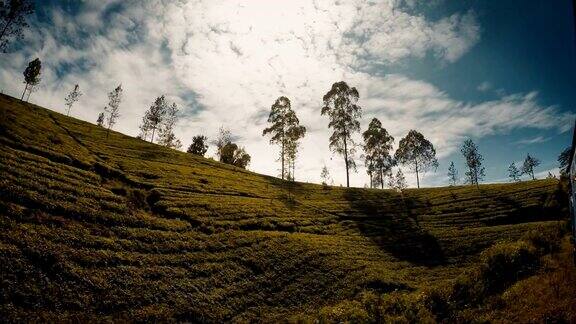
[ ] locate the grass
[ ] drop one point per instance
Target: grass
(121, 229)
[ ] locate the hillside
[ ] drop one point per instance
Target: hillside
(94, 228)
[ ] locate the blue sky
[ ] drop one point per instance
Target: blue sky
(499, 72)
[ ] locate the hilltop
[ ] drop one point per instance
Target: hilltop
(120, 229)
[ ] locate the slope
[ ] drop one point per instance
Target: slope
(95, 228)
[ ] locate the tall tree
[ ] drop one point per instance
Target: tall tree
(452, 174)
(530, 163)
(32, 75)
(224, 137)
(563, 159)
(153, 117)
(72, 97)
(167, 136)
(112, 109)
(100, 120)
(278, 128)
(199, 145)
(513, 172)
(13, 20)
(417, 152)
(377, 146)
(294, 133)
(340, 106)
(474, 160)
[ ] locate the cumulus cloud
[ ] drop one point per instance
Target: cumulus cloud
(226, 62)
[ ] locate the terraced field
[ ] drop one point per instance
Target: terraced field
(94, 228)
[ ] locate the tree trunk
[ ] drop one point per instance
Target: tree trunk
(153, 131)
(381, 178)
(68, 113)
(346, 161)
(370, 174)
(282, 157)
(23, 93)
(417, 177)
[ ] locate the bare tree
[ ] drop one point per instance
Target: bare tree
(452, 174)
(13, 20)
(325, 175)
(112, 109)
(32, 75)
(417, 152)
(340, 106)
(72, 97)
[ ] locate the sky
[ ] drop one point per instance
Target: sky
(499, 72)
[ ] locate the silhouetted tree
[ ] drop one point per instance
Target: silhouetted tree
(474, 160)
(529, 164)
(100, 120)
(550, 176)
(234, 155)
(417, 152)
(112, 109)
(72, 97)
(340, 106)
(514, 173)
(452, 174)
(32, 75)
(13, 20)
(325, 175)
(199, 145)
(153, 117)
(286, 132)
(377, 147)
(563, 159)
(167, 136)
(397, 181)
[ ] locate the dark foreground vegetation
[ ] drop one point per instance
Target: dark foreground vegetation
(109, 227)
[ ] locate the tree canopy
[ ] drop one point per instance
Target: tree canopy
(377, 147)
(417, 152)
(474, 160)
(13, 20)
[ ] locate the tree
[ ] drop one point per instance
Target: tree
(100, 120)
(153, 117)
(417, 152)
(325, 175)
(72, 97)
(563, 159)
(114, 100)
(32, 75)
(199, 145)
(234, 155)
(397, 182)
(286, 132)
(550, 176)
(377, 147)
(340, 106)
(514, 173)
(167, 136)
(529, 164)
(474, 160)
(452, 174)
(224, 137)
(12, 20)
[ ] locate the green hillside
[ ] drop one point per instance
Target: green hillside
(94, 229)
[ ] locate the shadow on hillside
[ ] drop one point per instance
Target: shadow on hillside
(548, 208)
(390, 223)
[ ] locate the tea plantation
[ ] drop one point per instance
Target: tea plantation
(95, 229)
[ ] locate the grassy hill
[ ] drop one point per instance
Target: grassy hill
(120, 229)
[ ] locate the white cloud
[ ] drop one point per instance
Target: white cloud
(534, 140)
(236, 58)
(484, 86)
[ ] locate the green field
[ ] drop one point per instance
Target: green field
(121, 229)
